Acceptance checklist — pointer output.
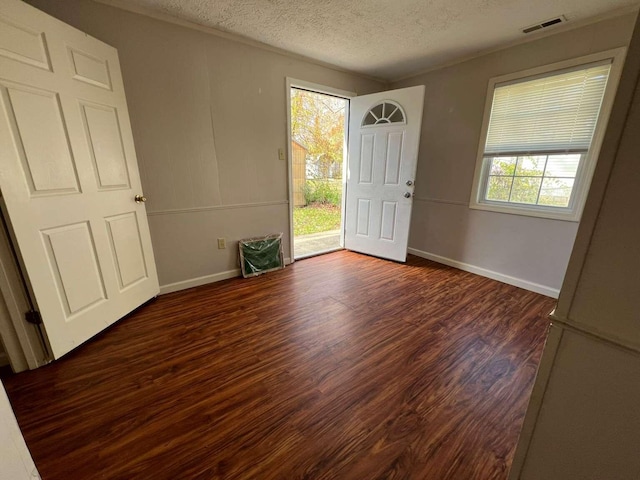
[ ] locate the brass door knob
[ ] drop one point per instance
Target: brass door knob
(140, 198)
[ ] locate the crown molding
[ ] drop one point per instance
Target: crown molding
(164, 17)
(530, 37)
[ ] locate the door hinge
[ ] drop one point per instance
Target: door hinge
(33, 316)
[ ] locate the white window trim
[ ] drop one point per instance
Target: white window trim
(586, 169)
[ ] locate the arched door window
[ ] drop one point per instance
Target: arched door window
(384, 113)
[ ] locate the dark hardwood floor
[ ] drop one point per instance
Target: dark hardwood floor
(341, 366)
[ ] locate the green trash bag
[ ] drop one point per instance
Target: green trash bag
(261, 254)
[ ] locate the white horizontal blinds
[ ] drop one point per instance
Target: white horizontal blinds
(551, 114)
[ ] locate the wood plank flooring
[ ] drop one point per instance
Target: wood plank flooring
(341, 366)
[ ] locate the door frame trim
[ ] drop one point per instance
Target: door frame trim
(20, 339)
(335, 92)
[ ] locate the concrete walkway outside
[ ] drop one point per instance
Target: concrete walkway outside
(304, 245)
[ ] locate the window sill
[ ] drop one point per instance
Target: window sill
(567, 216)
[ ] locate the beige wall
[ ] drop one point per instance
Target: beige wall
(607, 295)
(588, 427)
(583, 420)
(208, 117)
(533, 250)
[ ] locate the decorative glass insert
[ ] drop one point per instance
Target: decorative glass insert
(384, 113)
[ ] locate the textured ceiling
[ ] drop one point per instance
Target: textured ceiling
(383, 38)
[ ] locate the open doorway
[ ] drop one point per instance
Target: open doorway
(318, 132)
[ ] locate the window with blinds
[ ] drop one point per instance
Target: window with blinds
(539, 133)
(548, 115)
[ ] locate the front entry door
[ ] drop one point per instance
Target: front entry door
(384, 134)
(69, 176)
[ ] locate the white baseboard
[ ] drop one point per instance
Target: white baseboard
(517, 282)
(198, 281)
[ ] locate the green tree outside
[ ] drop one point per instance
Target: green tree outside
(533, 179)
(317, 123)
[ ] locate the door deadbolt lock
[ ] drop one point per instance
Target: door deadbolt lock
(407, 195)
(409, 183)
(140, 198)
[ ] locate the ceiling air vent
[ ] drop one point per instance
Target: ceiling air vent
(545, 24)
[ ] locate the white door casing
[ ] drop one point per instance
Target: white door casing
(69, 176)
(384, 135)
(16, 462)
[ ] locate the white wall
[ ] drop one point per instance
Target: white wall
(15, 460)
(208, 117)
(533, 250)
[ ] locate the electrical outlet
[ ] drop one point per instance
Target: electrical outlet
(222, 243)
(281, 154)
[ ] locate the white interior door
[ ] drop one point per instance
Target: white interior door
(69, 176)
(384, 134)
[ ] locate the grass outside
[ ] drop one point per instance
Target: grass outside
(315, 218)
